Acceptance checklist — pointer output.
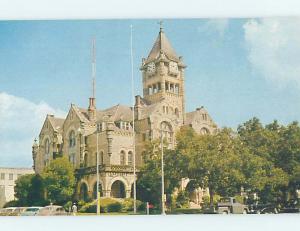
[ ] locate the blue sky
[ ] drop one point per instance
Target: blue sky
(237, 69)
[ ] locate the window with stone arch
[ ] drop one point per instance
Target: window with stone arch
(101, 158)
(167, 131)
(130, 158)
(72, 139)
(176, 111)
(122, 157)
(47, 146)
(204, 131)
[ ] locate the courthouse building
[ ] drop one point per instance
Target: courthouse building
(160, 110)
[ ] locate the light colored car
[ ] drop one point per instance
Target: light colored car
(53, 210)
(7, 211)
(31, 211)
(228, 205)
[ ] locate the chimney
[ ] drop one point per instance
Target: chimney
(92, 109)
(137, 107)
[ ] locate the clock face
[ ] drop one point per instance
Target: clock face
(151, 68)
(173, 67)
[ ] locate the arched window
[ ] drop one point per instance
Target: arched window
(86, 160)
(122, 158)
(204, 131)
(101, 158)
(167, 132)
(47, 146)
(130, 158)
(176, 112)
(72, 139)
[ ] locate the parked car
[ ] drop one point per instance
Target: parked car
(292, 206)
(263, 209)
(11, 211)
(6, 211)
(17, 211)
(53, 210)
(31, 211)
(227, 205)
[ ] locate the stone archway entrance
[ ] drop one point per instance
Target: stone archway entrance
(193, 194)
(95, 191)
(118, 189)
(83, 193)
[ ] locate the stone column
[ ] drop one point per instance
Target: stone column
(128, 192)
(106, 193)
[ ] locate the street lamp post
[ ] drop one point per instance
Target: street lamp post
(162, 174)
(97, 160)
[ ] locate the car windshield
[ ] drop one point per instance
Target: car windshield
(32, 209)
(226, 200)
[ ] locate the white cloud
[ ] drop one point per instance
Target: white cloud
(217, 25)
(20, 123)
(274, 48)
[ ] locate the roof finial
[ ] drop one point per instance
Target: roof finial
(161, 28)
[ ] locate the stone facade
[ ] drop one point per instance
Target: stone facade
(160, 111)
(8, 176)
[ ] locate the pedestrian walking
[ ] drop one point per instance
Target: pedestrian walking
(74, 209)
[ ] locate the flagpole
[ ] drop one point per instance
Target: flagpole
(133, 117)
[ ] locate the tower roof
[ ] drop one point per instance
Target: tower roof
(162, 45)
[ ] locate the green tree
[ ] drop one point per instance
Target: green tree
(261, 153)
(59, 180)
(29, 190)
(22, 188)
(149, 179)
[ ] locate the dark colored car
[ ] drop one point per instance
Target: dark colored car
(292, 206)
(263, 209)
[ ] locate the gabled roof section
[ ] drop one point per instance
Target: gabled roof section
(116, 113)
(56, 123)
(162, 45)
(81, 113)
(191, 116)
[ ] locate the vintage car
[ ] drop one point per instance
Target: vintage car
(53, 210)
(292, 206)
(263, 208)
(229, 205)
(31, 211)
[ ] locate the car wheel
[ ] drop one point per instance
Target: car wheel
(245, 211)
(225, 212)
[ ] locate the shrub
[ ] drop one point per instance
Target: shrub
(114, 207)
(182, 199)
(91, 207)
(13, 203)
(127, 205)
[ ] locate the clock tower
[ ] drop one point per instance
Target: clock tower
(163, 77)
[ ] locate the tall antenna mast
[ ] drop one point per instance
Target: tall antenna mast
(133, 117)
(93, 66)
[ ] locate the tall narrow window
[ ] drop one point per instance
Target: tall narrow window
(167, 131)
(130, 158)
(72, 139)
(122, 158)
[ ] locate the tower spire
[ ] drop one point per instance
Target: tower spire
(92, 99)
(93, 66)
(161, 28)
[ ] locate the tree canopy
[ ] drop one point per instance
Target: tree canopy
(59, 180)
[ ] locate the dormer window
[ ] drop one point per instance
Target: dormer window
(100, 127)
(123, 125)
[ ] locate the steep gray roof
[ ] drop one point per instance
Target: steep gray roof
(116, 113)
(191, 116)
(162, 45)
(56, 123)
